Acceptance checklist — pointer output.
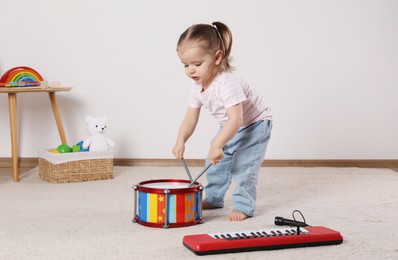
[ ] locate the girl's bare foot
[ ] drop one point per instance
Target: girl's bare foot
(206, 205)
(236, 215)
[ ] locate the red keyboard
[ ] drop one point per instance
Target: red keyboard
(279, 238)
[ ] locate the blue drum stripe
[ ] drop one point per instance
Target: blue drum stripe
(143, 206)
(172, 208)
(197, 201)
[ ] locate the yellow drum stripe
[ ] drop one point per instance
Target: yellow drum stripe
(153, 208)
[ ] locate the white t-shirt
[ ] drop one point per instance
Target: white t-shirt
(225, 91)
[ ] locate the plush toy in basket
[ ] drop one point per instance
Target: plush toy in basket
(91, 159)
(96, 127)
(97, 141)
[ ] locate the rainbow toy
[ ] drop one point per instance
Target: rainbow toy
(20, 77)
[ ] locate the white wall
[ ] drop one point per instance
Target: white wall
(327, 68)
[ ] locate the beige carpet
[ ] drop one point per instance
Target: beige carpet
(92, 220)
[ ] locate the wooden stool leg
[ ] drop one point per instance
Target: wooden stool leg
(57, 117)
(12, 107)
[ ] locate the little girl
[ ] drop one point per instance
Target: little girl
(245, 120)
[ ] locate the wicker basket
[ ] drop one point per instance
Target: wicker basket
(75, 167)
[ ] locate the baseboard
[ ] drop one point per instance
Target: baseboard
(391, 164)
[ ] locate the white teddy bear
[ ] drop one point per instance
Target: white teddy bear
(97, 141)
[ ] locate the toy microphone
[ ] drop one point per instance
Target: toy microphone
(279, 221)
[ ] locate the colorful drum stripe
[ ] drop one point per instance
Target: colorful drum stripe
(182, 208)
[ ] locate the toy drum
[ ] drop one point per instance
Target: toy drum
(167, 203)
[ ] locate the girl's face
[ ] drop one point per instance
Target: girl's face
(200, 65)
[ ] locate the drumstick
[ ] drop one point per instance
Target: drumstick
(204, 170)
(200, 174)
(186, 169)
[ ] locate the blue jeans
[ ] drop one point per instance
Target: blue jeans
(242, 161)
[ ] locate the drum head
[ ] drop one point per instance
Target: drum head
(166, 185)
(173, 185)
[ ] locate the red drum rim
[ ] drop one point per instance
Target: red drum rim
(196, 187)
(169, 225)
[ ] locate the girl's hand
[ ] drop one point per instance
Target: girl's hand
(178, 151)
(215, 155)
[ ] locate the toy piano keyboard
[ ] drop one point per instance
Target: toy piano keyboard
(279, 238)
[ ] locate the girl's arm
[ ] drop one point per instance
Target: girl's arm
(187, 128)
(235, 119)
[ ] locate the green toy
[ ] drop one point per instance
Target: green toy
(64, 148)
(76, 148)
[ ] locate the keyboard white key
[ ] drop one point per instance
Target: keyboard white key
(259, 233)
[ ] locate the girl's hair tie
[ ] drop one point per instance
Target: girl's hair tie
(219, 35)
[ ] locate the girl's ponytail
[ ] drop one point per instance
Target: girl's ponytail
(226, 43)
